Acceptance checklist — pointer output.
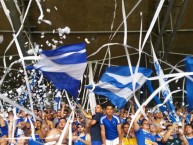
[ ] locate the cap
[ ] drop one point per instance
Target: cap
(82, 124)
(156, 111)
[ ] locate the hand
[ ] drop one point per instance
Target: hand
(74, 137)
(79, 106)
(63, 104)
(131, 102)
(11, 118)
(174, 125)
(154, 143)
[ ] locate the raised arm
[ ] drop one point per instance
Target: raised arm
(63, 108)
(167, 135)
(84, 112)
(132, 107)
(10, 129)
(135, 123)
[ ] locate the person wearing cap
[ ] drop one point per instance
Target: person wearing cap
(143, 135)
(81, 138)
(74, 127)
(158, 121)
(189, 133)
(158, 118)
(157, 136)
(110, 127)
(173, 136)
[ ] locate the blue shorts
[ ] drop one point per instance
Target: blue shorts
(96, 142)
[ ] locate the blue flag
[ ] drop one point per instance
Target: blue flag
(165, 90)
(189, 83)
(116, 83)
(64, 66)
(57, 101)
(156, 98)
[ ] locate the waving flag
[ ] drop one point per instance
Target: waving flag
(189, 83)
(57, 101)
(165, 90)
(116, 83)
(64, 66)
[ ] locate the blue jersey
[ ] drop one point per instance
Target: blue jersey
(144, 137)
(110, 126)
(158, 137)
(190, 140)
(79, 142)
(3, 131)
(38, 141)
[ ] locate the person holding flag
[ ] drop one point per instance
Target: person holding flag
(143, 135)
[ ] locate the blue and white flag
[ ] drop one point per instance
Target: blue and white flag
(57, 101)
(64, 66)
(189, 84)
(165, 90)
(116, 83)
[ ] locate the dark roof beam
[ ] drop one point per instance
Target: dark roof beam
(15, 17)
(168, 47)
(163, 26)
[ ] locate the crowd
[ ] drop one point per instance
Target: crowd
(106, 127)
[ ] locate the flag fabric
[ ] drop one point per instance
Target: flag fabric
(165, 90)
(64, 66)
(116, 83)
(189, 83)
(156, 98)
(57, 101)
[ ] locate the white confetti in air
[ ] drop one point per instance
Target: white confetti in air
(42, 35)
(47, 21)
(10, 57)
(48, 10)
(39, 22)
(64, 36)
(54, 47)
(87, 41)
(63, 31)
(1, 39)
(47, 42)
(55, 8)
(55, 41)
(66, 30)
(30, 52)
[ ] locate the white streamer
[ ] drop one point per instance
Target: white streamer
(6, 99)
(25, 15)
(139, 1)
(153, 22)
(25, 73)
(41, 13)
